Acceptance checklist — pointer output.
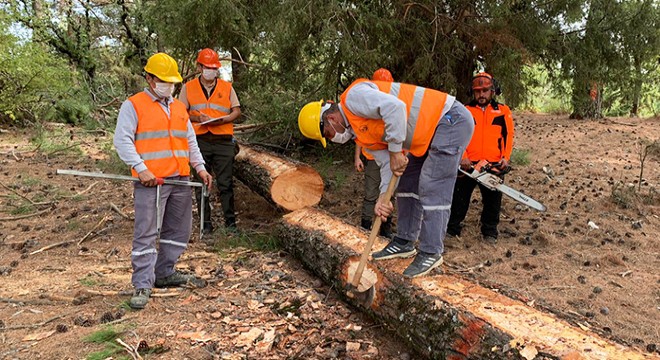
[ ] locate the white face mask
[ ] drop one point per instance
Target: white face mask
(164, 90)
(341, 138)
(209, 74)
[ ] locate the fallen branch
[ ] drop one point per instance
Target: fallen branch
(118, 211)
(251, 126)
(62, 149)
(103, 220)
(25, 197)
(82, 192)
(131, 350)
(61, 243)
(154, 292)
(25, 216)
(32, 326)
(25, 302)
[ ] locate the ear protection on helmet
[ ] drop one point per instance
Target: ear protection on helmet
(495, 86)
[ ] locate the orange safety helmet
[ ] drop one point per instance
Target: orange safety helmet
(382, 75)
(482, 80)
(209, 58)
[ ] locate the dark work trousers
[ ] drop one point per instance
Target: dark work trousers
(490, 214)
(371, 189)
(218, 152)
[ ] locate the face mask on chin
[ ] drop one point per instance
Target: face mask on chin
(209, 74)
(164, 90)
(341, 138)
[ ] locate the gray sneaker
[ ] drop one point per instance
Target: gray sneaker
(177, 279)
(397, 248)
(140, 298)
(422, 264)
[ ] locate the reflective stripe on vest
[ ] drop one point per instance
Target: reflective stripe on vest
(161, 141)
(424, 109)
(217, 105)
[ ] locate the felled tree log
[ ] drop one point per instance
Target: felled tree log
(441, 316)
(285, 183)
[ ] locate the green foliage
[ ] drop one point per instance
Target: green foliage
(107, 334)
(251, 240)
(52, 142)
(112, 164)
(32, 78)
(88, 281)
(520, 157)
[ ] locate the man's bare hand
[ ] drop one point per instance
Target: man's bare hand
(466, 164)
(147, 178)
(359, 165)
(383, 207)
(398, 163)
(207, 179)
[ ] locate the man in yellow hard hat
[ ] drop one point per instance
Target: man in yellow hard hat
(412, 132)
(155, 138)
(213, 107)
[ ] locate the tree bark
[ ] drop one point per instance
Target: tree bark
(440, 316)
(283, 182)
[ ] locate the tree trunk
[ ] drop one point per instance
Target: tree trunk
(440, 316)
(285, 183)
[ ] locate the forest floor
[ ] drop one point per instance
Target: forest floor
(260, 302)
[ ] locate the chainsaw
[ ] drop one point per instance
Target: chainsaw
(488, 175)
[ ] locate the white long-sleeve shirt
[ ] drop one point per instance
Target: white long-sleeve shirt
(367, 101)
(124, 139)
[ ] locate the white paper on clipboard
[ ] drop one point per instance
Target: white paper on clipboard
(211, 120)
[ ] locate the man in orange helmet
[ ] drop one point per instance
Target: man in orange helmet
(154, 137)
(209, 98)
(492, 142)
(364, 161)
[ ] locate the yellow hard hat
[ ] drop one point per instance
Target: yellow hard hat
(309, 121)
(163, 67)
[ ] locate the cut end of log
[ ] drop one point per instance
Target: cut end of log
(368, 278)
(297, 188)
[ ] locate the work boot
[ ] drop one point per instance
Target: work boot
(140, 298)
(208, 228)
(177, 279)
(423, 263)
(488, 239)
(366, 224)
(386, 229)
(397, 248)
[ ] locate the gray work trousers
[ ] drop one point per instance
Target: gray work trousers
(149, 260)
(426, 187)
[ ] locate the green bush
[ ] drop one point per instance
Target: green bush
(520, 157)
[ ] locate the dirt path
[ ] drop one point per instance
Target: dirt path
(261, 304)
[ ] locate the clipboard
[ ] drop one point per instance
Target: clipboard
(210, 121)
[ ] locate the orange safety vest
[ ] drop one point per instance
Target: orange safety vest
(492, 139)
(161, 141)
(218, 104)
(424, 107)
